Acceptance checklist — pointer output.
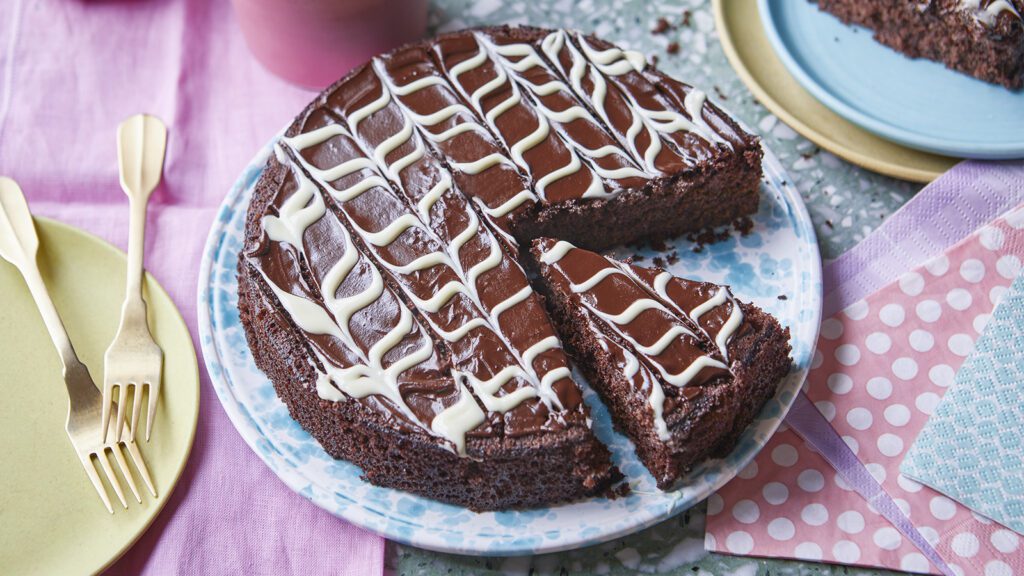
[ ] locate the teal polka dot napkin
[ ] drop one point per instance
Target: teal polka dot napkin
(972, 448)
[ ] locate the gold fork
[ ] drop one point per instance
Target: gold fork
(134, 360)
(19, 246)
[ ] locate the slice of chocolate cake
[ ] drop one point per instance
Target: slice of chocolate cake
(682, 366)
(982, 38)
(380, 286)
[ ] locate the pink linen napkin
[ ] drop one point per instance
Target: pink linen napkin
(70, 70)
(882, 366)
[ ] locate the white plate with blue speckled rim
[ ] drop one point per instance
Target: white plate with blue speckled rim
(779, 257)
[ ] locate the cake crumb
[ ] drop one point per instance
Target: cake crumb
(661, 26)
(673, 258)
(811, 154)
(672, 48)
(659, 246)
(709, 236)
(686, 18)
(637, 258)
(744, 226)
(654, 60)
(659, 262)
(783, 297)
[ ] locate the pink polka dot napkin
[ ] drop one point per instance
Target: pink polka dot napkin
(881, 368)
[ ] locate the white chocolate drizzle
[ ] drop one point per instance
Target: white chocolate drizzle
(304, 207)
(615, 62)
(490, 52)
(722, 296)
(528, 59)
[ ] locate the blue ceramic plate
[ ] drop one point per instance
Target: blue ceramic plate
(780, 256)
(916, 103)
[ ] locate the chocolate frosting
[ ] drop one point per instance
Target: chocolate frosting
(391, 241)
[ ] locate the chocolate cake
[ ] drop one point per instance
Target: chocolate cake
(683, 366)
(982, 38)
(381, 286)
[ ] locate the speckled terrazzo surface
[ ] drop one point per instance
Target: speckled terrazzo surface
(844, 201)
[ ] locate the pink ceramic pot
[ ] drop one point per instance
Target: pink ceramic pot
(314, 42)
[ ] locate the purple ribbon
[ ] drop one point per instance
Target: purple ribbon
(943, 213)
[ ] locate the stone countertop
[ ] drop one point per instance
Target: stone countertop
(845, 203)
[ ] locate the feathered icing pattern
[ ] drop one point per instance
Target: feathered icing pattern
(531, 82)
(306, 206)
(619, 321)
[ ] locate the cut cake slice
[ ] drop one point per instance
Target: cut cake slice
(683, 366)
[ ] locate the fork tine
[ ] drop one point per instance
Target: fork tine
(108, 399)
(122, 399)
(101, 455)
(133, 451)
(136, 410)
(152, 410)
(90, 471)
(116, 449)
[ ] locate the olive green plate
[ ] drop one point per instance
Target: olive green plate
(51, 519)
(752, 56)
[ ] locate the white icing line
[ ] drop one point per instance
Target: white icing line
(556, 253)
(511, 301)
(718, 299)
(478, 166)
(683, 378)
(511, 204)
(422, 263)
(613, 61)
(665, 341)
(314, 137)
(441, 297)
(431, 197)
(633, 311)
(354, 118)
(458, 419)
(487, 264)
(594, 280)
(297, 213)
(460, 332)
(392, 231)
(728, 329)
(486, 390)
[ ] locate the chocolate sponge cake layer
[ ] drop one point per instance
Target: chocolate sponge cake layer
(381, 282)
(981, 38)
(683, 367)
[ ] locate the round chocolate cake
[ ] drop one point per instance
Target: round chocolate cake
(383, 286)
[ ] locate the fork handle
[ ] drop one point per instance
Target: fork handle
(51, 318)
(136, 248)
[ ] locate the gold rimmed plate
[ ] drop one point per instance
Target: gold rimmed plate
(747, 47)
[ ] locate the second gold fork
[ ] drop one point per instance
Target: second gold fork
(134, 361)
